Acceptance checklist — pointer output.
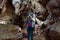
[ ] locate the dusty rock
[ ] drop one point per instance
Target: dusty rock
(53, 7)
(6, 20)
(54, 35)
(10, 31)
(54, 32)
(43, 2)
(38, 7)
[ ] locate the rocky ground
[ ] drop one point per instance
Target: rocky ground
(53, 31)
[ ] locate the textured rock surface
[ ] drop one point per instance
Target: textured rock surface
(53, 33)
(10, 31)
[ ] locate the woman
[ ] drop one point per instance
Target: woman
(30, 28)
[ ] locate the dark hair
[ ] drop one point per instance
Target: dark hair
(31, 10)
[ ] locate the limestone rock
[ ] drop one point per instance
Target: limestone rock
(10, 31)
(53, 7)
(54, 32)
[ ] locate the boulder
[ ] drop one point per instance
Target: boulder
(53, 8)
(6, 20)
(10, 32)
(53, 33)
(43, 2)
